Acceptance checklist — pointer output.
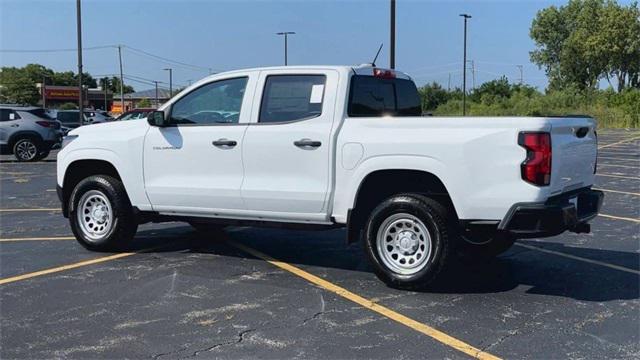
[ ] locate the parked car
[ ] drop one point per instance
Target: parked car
(135, 114)
(69, 120)
(27, 133)
(97, 116)
(333, 146)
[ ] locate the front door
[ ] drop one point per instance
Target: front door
(194, 166)
(287, 147)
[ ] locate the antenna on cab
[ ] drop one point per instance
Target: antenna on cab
(378, 53)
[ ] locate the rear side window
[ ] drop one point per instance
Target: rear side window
(8, 115)
(372, 96)
(292, 97)
(41, 113)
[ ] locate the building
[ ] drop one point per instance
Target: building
(132, 100)
(54, 95)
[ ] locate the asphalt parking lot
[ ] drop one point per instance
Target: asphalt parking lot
(268, 293)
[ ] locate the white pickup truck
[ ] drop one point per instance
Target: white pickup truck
(333, 146)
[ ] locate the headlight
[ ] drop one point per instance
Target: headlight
(67, 140)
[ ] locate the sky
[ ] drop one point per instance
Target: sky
(224, 35)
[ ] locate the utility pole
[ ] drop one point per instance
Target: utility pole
(44, 91)
(105, 81)
(449, 83)
(170, 70)
(521, 74)
(80, 93)
(157, 102)
(286, 34)
(121, 80)
(392, 35)
(464, 67)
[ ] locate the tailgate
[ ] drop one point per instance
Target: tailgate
(574, 145)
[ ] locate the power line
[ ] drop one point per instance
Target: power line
(55, 50)
(167, 60)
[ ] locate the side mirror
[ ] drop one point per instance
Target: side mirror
(156, 118)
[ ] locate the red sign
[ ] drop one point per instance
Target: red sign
(61, 94)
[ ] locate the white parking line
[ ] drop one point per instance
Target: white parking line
(590, 261)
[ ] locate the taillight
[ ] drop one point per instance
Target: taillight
(45, 123)
(384, 73)
(536, 169)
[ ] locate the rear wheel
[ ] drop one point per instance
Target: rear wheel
(27, 149)
(101, 215)
(407, 240)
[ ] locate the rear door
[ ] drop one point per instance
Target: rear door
(574, 145)
(287, 146)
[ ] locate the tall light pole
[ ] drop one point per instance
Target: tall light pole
(464, 67)
(80, 93)
(286, 34)
(121, 80)
(157, 102)
(392, 35)
(170, 70)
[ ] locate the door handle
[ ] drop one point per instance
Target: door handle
(307, 143)
(15, 125)
(224, 143)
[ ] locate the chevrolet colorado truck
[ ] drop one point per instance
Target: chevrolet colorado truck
(333, 146)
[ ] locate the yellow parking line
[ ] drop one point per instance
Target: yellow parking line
(64, 267)
(617, 191)
(595, 262)
(619, 142)
(369, 304)
(28, 210)
(619, 218)
(55, 238)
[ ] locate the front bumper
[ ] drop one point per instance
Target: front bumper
(570, 211)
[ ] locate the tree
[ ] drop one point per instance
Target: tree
(144, 103)
(114, 86)
(587, 40)
(432, 96)
(19, 85)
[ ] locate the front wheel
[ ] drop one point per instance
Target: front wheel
(408, 240)
(101, 215)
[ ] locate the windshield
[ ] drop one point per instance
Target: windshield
(41, 113)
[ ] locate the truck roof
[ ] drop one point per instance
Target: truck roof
(363, 69)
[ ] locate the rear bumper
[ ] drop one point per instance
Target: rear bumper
(570, 211)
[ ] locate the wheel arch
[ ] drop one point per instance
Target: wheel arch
(381, 184)
(78, 170)
(22, 134)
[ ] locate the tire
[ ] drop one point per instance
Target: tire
(27, 149)
(481, 246)
(100, 202)
(425, 247)
(42, 155)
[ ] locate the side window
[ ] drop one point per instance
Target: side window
(4, 114)
(8, 115)
(215, 103)
(292, 97)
